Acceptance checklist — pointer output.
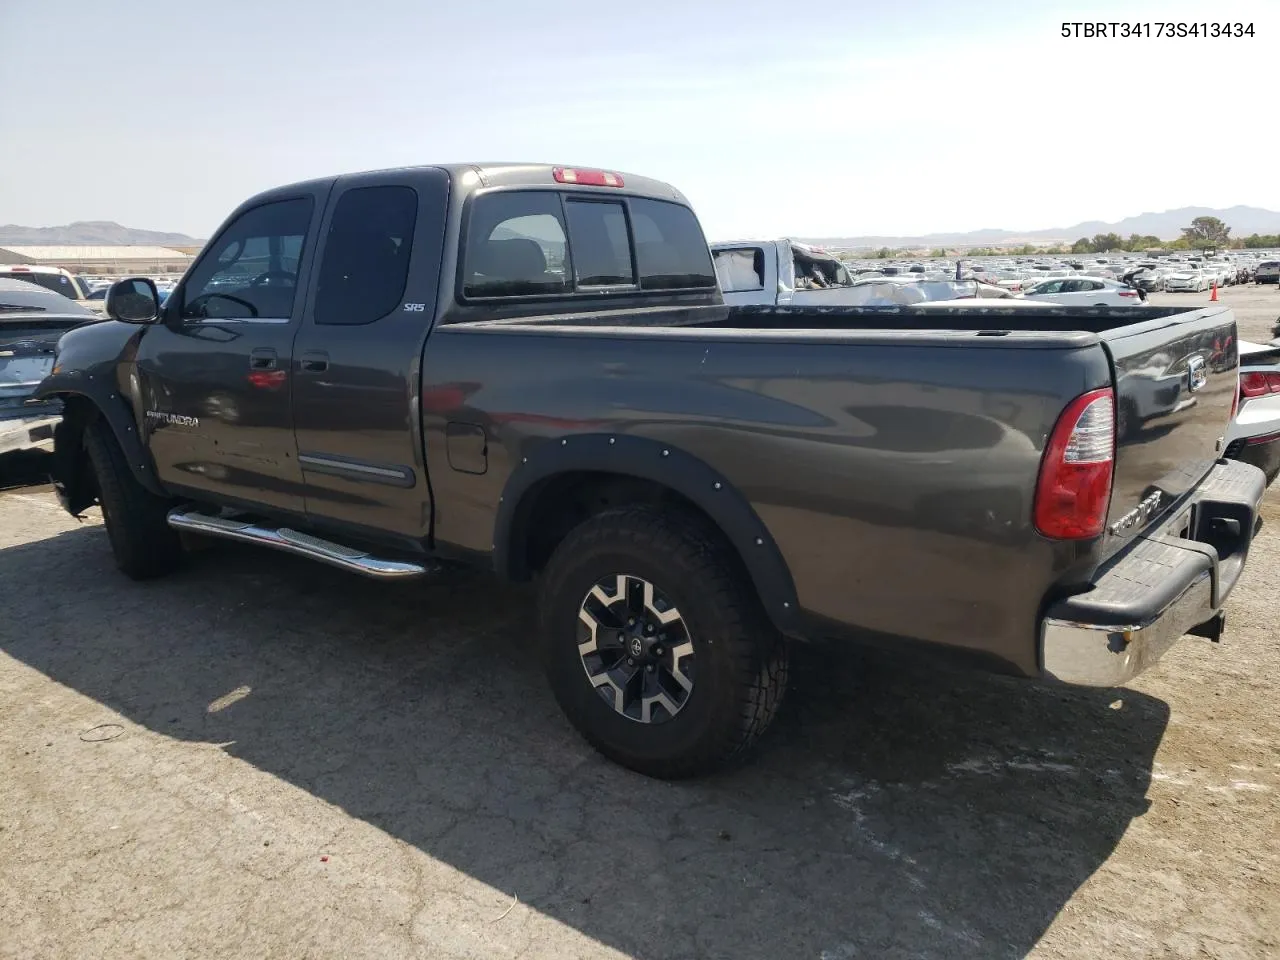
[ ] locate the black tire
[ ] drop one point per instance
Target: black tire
(144, 545)
(739, 658)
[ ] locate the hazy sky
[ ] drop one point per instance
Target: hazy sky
(775, 118)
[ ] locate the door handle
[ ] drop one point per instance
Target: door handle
(314, 361)
(262, 358)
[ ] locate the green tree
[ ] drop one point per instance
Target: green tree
(1207, 232)
(937, 254)
(1103, 242)
(884, 253)
(1082, 246)
(1138, 241)
(1261, 241)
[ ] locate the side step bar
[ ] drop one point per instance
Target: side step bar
(352, 559)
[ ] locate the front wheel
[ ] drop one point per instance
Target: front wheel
(655, 644)
(144, 544)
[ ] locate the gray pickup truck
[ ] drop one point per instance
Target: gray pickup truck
(532, 369)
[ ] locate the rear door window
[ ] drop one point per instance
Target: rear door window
(366, 255)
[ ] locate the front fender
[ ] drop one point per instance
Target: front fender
(86, 378)
(661, 463)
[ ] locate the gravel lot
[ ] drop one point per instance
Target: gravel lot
(259, 757)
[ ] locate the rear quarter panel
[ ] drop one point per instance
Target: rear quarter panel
(895, 472)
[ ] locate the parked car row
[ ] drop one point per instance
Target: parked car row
(1151, 274)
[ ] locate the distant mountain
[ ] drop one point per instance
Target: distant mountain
(91, 232)
(1168, 225)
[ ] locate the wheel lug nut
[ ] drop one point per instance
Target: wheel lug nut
(657, 651)
(631, 661)
(650, 668)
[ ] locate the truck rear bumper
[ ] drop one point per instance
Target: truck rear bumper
(1172, 581)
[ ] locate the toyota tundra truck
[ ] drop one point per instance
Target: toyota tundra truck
(531, 369)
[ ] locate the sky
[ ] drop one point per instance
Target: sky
(774, 118)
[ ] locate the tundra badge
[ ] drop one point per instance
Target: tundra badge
(1196, 375)
(173, 419)
(1139, 514)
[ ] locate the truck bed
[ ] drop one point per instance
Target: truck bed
(894, 463)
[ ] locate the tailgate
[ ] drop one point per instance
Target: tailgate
(1176, 383)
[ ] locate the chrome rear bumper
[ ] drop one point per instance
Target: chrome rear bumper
(1163, 587)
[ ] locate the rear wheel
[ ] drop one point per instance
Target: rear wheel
(655, 644)
(144, 544)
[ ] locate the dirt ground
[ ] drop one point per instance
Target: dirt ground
(259, 757)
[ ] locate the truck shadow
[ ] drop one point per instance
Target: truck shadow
(896, 810)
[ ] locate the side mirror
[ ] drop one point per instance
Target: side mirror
(134, 300)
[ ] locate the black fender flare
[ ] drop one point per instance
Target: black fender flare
(662, 463)
(111, 407)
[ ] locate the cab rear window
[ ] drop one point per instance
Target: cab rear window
(545, 243)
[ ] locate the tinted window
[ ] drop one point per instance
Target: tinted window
(515, 246)
(600, 243)
(50, 281)
(739, 270)
(252, 270)
(366, 255)
(671, 251)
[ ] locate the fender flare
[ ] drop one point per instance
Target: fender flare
(663, 463)
(111, 406)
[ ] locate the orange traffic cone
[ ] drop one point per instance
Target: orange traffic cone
(1213, 296)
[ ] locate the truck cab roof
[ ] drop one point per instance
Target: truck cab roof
(472, 177)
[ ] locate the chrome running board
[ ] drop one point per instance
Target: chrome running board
(190, 520)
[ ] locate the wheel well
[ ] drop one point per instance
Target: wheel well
(71, 469)
(552, 508)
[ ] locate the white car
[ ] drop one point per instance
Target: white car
(1186, 281)
(1083, 292)
(1254, 435)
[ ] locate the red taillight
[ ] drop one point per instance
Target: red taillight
(1073, 491)
(1258, 383)
(589, 178)
(1128, 293)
